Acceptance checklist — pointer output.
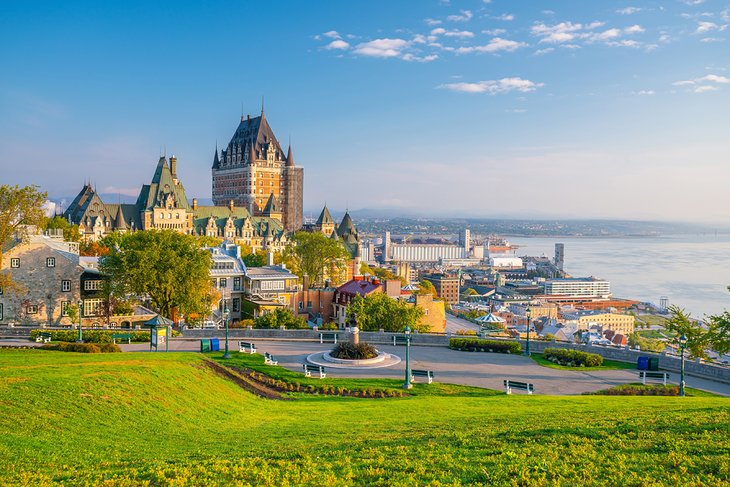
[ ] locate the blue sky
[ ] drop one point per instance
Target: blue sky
(503, 108)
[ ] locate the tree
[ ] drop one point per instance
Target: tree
(377, 310)
(385, 274)
(169, 268)
(19, 207)
(720, 332)
(70, 232)
(426, 287)
(278, 318)
(255, 259)
(365, 269)
(73, 313)
(647, 344)
(318, 256)
(93, 249)
(680, 323)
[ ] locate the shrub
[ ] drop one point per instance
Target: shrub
(82, 347)
(572, 358)
(351, 351)
(639, 390)
(474, 344)
(91, 336)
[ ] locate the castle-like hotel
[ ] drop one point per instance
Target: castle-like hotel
(257, 194)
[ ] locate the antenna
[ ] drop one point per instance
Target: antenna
(262, 104)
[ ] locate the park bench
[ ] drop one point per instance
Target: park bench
(43, 338)
(308, 369)
(644, 374)
(400, 340)
(269, 359)
(523, 386)
(246, 347)
(328, 338)
(422, 373)
(121, 336)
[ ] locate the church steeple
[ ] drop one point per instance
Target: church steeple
(289, 157)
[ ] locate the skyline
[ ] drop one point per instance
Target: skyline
(499, 108)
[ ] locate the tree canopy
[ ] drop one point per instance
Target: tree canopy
(377, 310)
(426, 287)
(280, 317)
(719, 332)
(318, 256)
(169, 268)
(680, 323)
(70, 232)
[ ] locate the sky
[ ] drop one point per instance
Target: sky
(550, 109)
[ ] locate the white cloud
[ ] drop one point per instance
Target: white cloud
(333, 34)
(495, 45)
(384, 48)
(459, 33)
(540, 52)
(464, 16)
(420, 59)
(714, 78)
(506, 17)
(628, 10)
(646, 92)
(705, 88)
(634, 29)
(493, 87)
(494, 32)
(704, 27)
(438, 31)
(693, 2)
(432, 22)
(712, 39)
(337, 44)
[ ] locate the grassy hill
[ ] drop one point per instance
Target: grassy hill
(166, 419)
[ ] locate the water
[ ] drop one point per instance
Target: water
(692, 271)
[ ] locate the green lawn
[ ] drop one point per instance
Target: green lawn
(652, 320)
(165, 419)
(655, 334)
(607, 364)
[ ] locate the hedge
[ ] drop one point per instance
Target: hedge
(83, 347)
(477, 345)
(572, 358)
(90, 336)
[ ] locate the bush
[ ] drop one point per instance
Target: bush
(572, 358)
(83, 347)
(477, 345)
(91, 336)
(639, 390)
(351, 351)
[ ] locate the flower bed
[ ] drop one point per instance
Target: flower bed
(91, 336)
(351, 351)
(477, 345)
(572, 358)
(83, 347)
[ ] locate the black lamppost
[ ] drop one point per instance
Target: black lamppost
(528, 311)
(682, 346)
(407, 383)
(80, 305)
(225, 319)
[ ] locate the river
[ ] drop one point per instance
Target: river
(693, 271)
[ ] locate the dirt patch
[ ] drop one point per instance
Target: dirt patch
(243, 382)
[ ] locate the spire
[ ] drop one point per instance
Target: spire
(262, 105)
(119, 222)
(271, 206)
(325, 216)
(346, 226)
(289, 157)
(216, 161)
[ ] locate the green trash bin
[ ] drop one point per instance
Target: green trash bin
(654, 363)
(204, 345)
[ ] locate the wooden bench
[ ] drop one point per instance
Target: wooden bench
(523, 386)
(400, 340)
(269, 359)
(246, 347)
(645, 374)
(122, 336)
(328, 338)
(308, 369)
(422, 373)
(43, 338)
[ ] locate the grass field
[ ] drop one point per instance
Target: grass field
(607, 364)
(165, 419)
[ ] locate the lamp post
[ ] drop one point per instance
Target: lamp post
(225, 319)
(407, 383)
(682, 346)
(80, 305)
(529, 322)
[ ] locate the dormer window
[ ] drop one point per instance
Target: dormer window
(51, 262)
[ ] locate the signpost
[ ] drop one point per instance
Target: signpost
(159, 336)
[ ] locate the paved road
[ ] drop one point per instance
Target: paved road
(454, 324)
(467, 368)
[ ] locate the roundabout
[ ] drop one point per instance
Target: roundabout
(326, 360)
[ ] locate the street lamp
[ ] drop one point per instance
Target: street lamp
(682, 346)
(225, 319)
(407, 384)
(80, 305)
(529, 322)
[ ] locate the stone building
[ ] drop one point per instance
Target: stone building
(252, 167)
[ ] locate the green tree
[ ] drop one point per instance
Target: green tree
(278, 318)
(255, 259)
(647, 344)
(366, 270)
(318, 256)
(680, 323)
(385, 274)
(426, 287)
(19, 207)
(73, 314)
(70, 232)
(377, 310)
(168, 267)
(719, 332)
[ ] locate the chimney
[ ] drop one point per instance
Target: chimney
(269, 258)
(195, 204)
(305, 282)
(230, 205)
(173, 166)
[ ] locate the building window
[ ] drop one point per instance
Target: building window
(65, 286)
(31, 309)
(15, 262)
(1, 311)
(92, 285)
(236, 283)
(223, 282)
(64, 308)
(236, 305)
(301, 304)
(51, 262)
(92, 307)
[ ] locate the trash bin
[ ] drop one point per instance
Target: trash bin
(642, 363)
(204, 346)
(215, 344)
(654, 364)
